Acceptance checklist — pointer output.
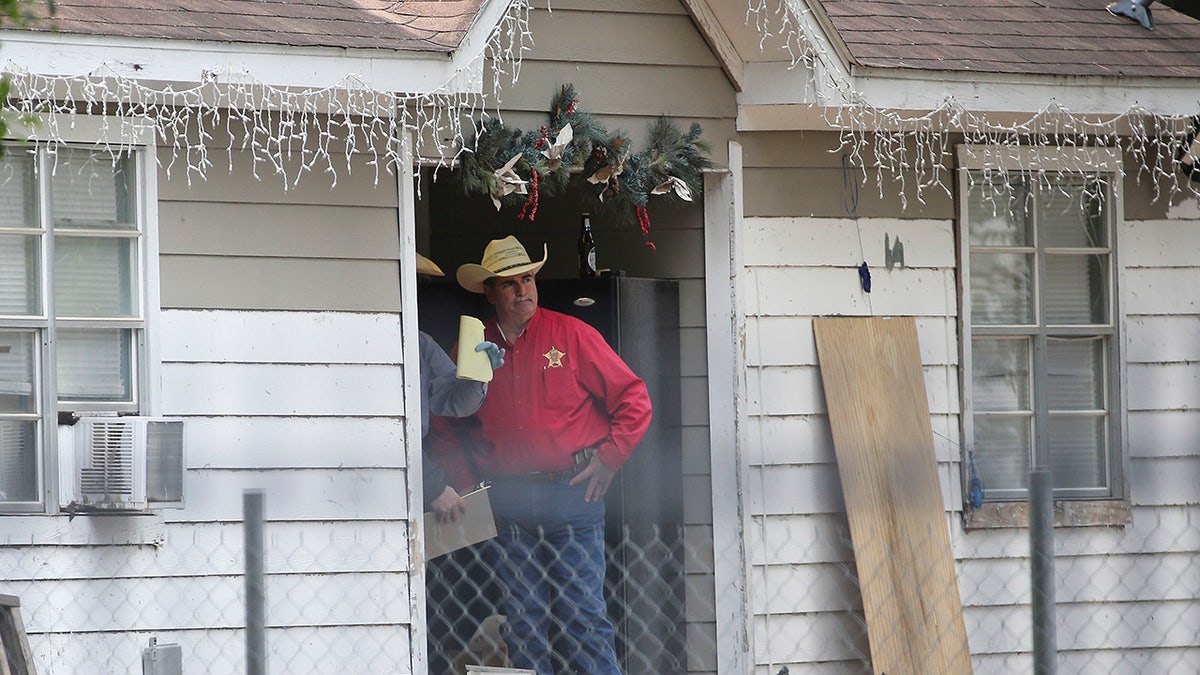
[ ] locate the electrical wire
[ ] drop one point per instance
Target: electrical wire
(850, 206)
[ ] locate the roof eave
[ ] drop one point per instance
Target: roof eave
(913, 93)
(191, 63)
(467, 59)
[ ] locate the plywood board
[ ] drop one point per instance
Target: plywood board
(875, 391)
(15, 655)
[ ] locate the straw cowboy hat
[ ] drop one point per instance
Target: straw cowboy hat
(427, 266)
(502, 258)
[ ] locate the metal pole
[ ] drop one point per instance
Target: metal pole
(256, 596)
(1041, 553)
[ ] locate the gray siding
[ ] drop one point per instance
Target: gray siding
(230, 240)
(279, 338)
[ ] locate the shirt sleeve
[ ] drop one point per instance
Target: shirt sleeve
(433, 479)
(448, 395)
(624, 396)
(452, 444)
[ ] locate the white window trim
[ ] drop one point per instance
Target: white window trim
(117, 134)
(1112, 511)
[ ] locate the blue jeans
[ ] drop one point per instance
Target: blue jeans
(549, 558)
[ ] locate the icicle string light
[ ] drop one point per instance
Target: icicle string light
(891, 145)
(289, 132)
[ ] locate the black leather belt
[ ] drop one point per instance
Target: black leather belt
(580, 459)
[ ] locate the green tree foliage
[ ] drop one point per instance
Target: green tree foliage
(17, 13)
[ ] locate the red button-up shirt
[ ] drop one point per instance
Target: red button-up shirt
(561, 389)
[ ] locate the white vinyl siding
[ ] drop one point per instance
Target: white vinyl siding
(804, 590)
(1040, 324)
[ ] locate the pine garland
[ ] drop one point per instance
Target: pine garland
(575, 152)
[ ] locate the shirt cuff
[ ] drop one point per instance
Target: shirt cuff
(610, 454)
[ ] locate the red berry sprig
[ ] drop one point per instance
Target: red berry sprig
(530, 206)
(643, 218)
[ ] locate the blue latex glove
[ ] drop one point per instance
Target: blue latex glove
(494, 352)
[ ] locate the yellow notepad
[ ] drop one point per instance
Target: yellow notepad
(472, 365)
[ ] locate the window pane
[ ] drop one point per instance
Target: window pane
(1077, 451)
(1075, 373)
(89, 190)
(93, 276)
(95, 364)
(1000, 374)
(18, 388)
(1075, 289)
(1002, 447)
(998, 214)
(20, 275)
(18, 461)
(1001, 288)
(1072, 214)
(1039, 259)
(18, 189)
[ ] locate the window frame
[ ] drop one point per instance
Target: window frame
(1077, 507)
(103, 135)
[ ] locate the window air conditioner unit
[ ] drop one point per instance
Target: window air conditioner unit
(123, 464)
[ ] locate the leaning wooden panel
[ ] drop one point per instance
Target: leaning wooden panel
(15, 656)
(871, 372)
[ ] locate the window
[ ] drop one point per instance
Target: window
(73, 270)
(1039, 319)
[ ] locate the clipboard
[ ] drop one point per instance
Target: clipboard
(476, 525)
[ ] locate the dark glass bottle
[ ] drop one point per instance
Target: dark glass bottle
(587, 248)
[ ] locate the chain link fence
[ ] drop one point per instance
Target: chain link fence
(1125, 599)
(645, 587)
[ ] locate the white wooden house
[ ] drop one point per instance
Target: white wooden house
(253, 268)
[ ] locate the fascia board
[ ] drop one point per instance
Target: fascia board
(190, 63)
(465, 62)
(819, 25)
(1013, 97)
(718, 40)
(831, 59)
(983, 92)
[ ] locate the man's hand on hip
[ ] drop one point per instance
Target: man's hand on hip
(598, 476)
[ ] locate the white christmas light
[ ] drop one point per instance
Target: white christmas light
(289, 132)
(899, 146)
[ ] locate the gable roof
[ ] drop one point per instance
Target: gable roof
(395, 74)
(796, 64)
(405, 47)
(411, 25)
(1048, 37)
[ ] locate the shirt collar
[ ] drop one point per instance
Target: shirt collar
(537, 314)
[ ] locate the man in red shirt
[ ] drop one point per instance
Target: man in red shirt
(559, 421)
